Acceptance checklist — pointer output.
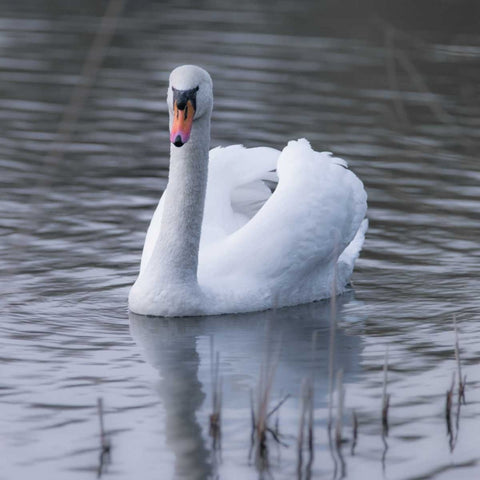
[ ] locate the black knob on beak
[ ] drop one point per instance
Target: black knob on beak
(178, 141)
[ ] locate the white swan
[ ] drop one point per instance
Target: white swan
(221, 242)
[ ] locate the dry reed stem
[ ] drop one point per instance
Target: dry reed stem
(355, 431)
(260, 413)
(279, 404)
(105, 445)
(92, 64)
(311, 439)
(385, 396)
(452, 432)
(393, 78)
(331, 359)
(253, 423)
(461, 380)
(400, 56)
(434, 105)
(331, 345)
(310, 412)
(331, 367)
(385, 408)
(305, 430)
(215, 418)
(339, 423)
(335, 444)
(448, 412)
(384, 454)
(301, 427)
(340, 403)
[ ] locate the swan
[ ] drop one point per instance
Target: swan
(244, 229)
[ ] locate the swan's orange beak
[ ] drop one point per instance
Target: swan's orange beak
(182, 123)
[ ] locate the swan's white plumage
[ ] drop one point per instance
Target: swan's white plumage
(280, 249)
(256, 249)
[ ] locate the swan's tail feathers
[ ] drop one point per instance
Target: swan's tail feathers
(346, 261)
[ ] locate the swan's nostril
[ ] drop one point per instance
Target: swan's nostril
(178, 141)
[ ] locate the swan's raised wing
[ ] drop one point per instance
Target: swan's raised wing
(293, 242)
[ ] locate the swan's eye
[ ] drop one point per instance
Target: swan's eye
(181, 97)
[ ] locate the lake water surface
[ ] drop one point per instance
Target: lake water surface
(401, 106)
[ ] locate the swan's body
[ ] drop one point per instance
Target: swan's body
(221, 242)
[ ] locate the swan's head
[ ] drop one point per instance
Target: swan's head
(189, 98)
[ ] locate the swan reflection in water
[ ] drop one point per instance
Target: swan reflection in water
(177, 347)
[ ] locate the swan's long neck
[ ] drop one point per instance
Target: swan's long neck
(175, 256)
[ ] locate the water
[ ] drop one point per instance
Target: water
(72, 231)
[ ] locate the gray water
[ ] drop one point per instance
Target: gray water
(404, 112)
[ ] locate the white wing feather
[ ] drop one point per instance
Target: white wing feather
(291, 246)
